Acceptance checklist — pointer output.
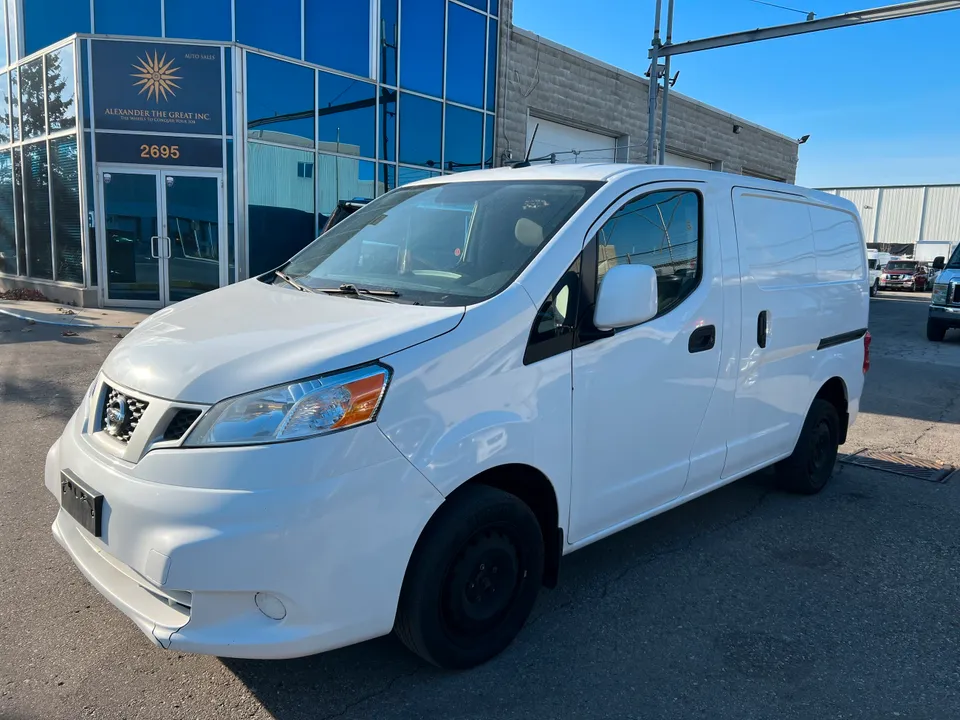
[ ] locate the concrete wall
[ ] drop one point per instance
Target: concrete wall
(541, 78)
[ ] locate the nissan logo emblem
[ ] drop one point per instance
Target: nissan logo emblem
(115, 416)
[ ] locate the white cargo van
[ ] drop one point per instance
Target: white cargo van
(407, 425)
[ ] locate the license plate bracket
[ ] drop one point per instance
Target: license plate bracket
(82, 502)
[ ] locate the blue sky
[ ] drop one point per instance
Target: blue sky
(876, 115)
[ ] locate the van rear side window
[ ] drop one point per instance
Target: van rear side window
(660, 229)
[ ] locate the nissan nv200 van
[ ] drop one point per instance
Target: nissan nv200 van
(406, 426)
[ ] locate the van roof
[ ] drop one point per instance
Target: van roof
(609, 171)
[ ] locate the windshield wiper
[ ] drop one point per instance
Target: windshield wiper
(290, 281)
(350, 289)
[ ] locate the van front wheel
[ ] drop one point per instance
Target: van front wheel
(473, 578)
(936, 331)
(810, 466)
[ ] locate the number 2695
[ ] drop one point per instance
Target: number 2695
(160, 151)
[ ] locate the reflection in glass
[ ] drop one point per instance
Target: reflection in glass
(122, 17)
(18, 210)
(337, 35)
(46, 21)
(206, 20)
(463, 148)
(61, 103)
(420, 123)
(130, 211)
(65, 190)
(193, 227)
(279, 101)
(478, 4)
(388, 125)
(386, 177)
(8, 226)
(466, 40)
(340, 178)
(13, 41)
(15, 105)
(389, 39)
(347, 115)
(37, 209)
(488, 154)
(84, 84)
(4, 110)
(421, 46)
(274, 27)
(281, 219)
(228, 88)
(89, 222)
(492, 66)
(231, 199)
(408, 175)
(31, 98)
(3, 41)
(494, 7)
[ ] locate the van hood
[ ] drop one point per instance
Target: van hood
(253, 335)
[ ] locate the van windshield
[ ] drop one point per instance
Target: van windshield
(954, 259)
(451, 244)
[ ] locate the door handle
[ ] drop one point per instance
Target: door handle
(155, 247)
(762, 329)
(702, 339)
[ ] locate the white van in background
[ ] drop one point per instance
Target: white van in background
(411, 422)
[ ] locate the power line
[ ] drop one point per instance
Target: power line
(810, 15)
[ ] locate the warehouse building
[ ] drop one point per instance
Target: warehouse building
(897, 217)
(154, 150)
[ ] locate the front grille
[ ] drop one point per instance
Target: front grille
(180, 423)
(121, 414)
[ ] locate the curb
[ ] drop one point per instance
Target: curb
(76, 324)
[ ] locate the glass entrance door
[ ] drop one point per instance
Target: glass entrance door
(162, 234)
(191, 236)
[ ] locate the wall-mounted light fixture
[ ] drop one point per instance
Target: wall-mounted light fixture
(737, 129)
(802, 140)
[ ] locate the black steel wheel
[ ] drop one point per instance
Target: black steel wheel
(810, 466)
(473, 578)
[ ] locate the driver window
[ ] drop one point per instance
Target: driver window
(660, 229)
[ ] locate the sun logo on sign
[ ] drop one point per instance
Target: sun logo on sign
(156, 76)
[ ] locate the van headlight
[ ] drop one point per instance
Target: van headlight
(298, 410)
(939, 296)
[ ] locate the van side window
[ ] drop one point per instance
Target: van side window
(554, 324)
(661, 229)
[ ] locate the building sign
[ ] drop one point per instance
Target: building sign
(157, 87)
(159, 150)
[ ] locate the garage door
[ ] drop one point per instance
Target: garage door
(571, 144)
(683, 161)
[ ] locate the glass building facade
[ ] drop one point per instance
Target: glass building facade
(206, 142)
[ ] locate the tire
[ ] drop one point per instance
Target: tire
(482, 540)
(875, 288)
(810, 466)
(935, 330)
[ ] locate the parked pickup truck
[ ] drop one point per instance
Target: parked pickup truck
(903, 275)
(945, 300)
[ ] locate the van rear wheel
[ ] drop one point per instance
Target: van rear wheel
(473, 578)
(875, 288)
(810, 466)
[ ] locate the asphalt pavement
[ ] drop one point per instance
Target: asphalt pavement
(748, 603)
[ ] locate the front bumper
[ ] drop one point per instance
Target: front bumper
(326, 526)
(897, 284)
(949, 316)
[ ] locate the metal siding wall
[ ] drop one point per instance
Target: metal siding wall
(284, 189)
(866, 200)
(900, 213)
(942, 214)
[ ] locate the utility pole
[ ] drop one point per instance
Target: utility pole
(661, 160)
(654, 84)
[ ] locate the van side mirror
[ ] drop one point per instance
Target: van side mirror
(939, 262)
(628, 296)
